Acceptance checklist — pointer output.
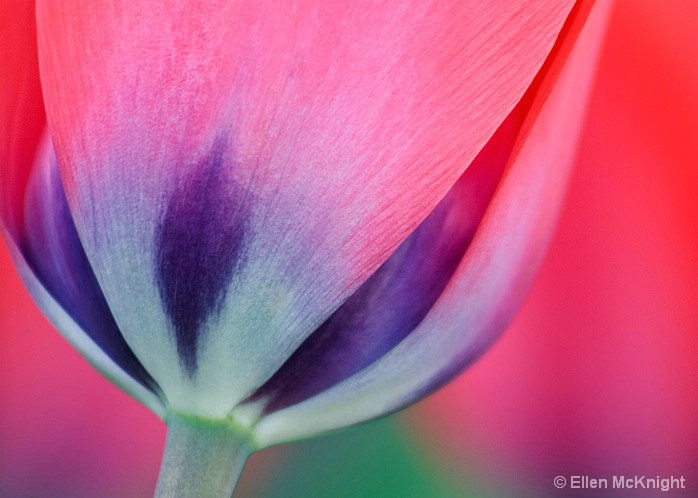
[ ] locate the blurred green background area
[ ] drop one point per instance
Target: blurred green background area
(376, 460)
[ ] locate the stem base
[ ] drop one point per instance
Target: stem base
(203, 458)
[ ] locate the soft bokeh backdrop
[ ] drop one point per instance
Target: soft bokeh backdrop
(597, 376)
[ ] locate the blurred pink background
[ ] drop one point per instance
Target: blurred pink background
(597, 376)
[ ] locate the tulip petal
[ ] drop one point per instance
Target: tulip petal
(198, 245)
(56, 272)
(53, 251)
(496, 269)
(397, 297)
(77, 337)
(344, 125)
(33, 215)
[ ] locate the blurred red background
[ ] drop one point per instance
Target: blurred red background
(597, 376)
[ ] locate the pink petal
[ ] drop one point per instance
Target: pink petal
(397, 297)
(497, 269)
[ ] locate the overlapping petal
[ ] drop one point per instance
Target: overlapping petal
(322, 134)
(397, 297)
(496, 269)
(37, 224)
(54, 256)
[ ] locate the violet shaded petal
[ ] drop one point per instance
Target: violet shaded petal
(52, 249)
(397, 297)
(198, 246)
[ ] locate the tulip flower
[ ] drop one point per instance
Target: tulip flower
(267, 221)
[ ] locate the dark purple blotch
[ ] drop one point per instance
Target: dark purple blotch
(51, 247)
(397, 297)
(198, 246)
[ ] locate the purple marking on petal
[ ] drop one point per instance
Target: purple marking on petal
(397, 297)
(52, 249)
(199, 243)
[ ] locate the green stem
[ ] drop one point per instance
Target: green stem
(203, 458)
